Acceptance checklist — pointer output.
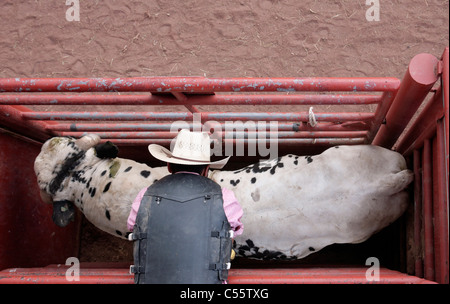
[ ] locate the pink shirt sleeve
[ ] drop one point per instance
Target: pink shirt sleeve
(233, 210)
(134, 209)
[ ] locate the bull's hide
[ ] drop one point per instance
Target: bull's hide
(293, 205)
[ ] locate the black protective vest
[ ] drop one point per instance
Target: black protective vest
(181, 233)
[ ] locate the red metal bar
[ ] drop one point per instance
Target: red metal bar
(436, 211)
(282, 141)
(445, 87)
(196, 84)
(427, 184)
(282, 126)
(416, 84)
(441, 207)
(386, 101)
(96, 127)
(418, 260)
(206, 116)
(11, 117)
(236, 134)
(313, 275)
(423, 127)
(109, 116)
(49, 99)
(338, 275)
(182, 98)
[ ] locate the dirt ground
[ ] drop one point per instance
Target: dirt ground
(231, 38)
(121, 38)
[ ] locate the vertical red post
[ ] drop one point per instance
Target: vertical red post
(416, 84)
(418, 262)
(441, 201)
(445, 87)
(427, 182)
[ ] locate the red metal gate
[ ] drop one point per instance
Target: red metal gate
(310, 113)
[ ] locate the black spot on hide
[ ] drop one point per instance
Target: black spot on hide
(108, 216)
(250, 250)
(89, 183)
(78, 176)
(107, 187)
(92, 191)
(309, 159)
(277, 165)
(255, 168)
(128, 169)
(119, 233)
(145, 173)
(234, 183)
(103, 173)
(73, 160)
(253, 180)
(261, 167)
(311, 249)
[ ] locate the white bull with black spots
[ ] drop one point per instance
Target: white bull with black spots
(90, 176)
(293, 205)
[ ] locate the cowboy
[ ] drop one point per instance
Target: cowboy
(183, 224)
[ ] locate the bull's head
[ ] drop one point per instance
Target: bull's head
(53, 164)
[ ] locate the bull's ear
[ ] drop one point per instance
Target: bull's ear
(106, 150)
(88, 141)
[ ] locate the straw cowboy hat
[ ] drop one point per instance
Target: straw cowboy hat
(190, 148)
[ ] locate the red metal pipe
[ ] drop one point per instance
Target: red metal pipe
(206, 116)
(441, 207)
(282, 126)
(386, 101)
(11, 117)
(95, 127)
(424, 125)
(226, 134)
(147, 99)
(428, 211)
(310, 275)
(416, 84)
(109, 116)
(445, 87)
(418, 260)
(282, 141)
(196, 84)
(436, 211)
